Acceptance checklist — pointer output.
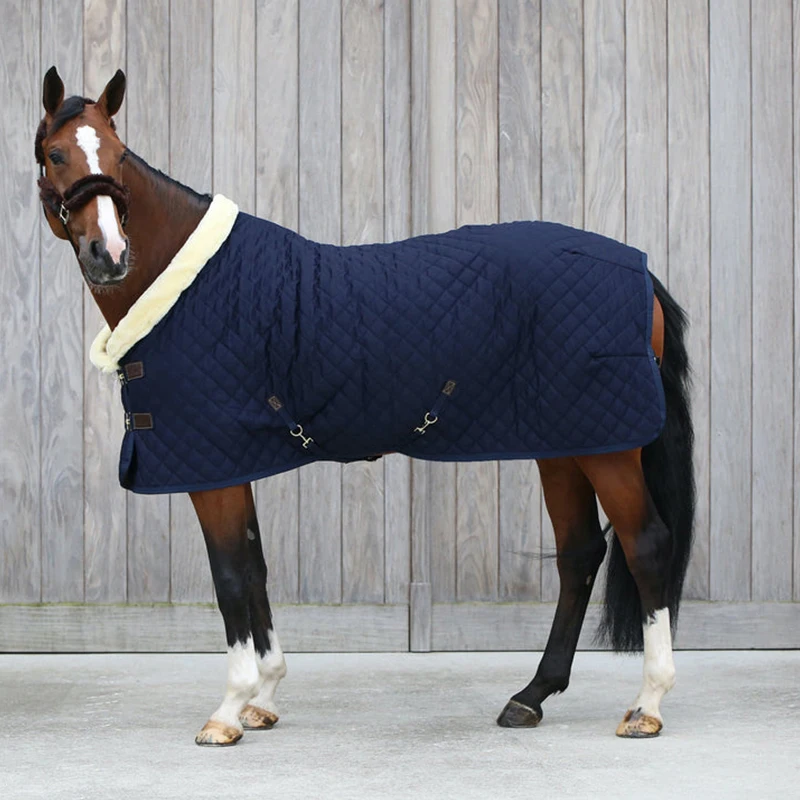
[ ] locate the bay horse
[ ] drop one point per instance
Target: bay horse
(110, 205)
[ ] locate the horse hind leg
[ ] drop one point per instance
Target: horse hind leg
(261, 713)
(647, 544)
(581, 547)
(223, 519)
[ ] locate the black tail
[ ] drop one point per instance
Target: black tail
(667, 464)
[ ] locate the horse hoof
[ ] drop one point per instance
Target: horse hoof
(257, 719)
(518, 715)
(218, 734)
(637, 725)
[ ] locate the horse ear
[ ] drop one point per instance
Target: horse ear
(52, 91)
(112, 96)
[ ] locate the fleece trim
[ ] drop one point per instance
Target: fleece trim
(206, 239)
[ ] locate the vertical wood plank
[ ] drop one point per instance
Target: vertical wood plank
(397, 225)
(363, 516)
(277, 499)
(191, 158)
(689, 222)
(646, 130)
(562, 111)
(604, 117)
(731, 358)
(320, 218)
(421, 587)
(519, 110)
(773, 302)
(520, 191)
(105, 502)
(20, 514)
(796, 406)
(148, 116)
(562, 162)
(61, 335)
(476, 202)
(234, 123)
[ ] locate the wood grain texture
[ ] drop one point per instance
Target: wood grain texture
(420, 115)
(646, 130)
(148, 116)
(167, 628)
(773, 303)
(604, 117)
(278, 498)
(234, 123)
(20, 402)
(519, 197)
(562, 165)
(562, 111)
(519, 110)
(347, 120)
(525, 626)
(191, 160)
(731, 309)
(362, 221)
(105, 502)
(320, 218)
(61, 336)
(422, 567)
(476, 203)
(796, 405)
(689, 241)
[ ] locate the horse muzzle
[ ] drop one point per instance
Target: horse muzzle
(99, 266)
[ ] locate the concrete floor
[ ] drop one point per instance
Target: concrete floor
(397, 726)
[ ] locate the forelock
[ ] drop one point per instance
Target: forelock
(69, 109)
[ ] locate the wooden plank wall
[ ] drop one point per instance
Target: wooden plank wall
(668, 124)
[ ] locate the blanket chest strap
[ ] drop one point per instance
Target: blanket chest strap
(432, 417)
(295, 428)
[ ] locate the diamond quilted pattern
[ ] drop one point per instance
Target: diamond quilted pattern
(544, 328)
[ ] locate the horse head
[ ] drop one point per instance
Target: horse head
(80, 158)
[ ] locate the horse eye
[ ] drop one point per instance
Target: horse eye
(56, 157)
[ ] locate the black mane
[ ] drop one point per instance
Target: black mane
(157, 176)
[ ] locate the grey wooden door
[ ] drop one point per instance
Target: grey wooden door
(665, 124)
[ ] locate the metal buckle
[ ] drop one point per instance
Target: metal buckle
(429, 420)
(63, 214)
(298, 434)
(128, 422)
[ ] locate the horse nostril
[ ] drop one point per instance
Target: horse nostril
(96, 248)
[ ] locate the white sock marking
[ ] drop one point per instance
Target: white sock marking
(659, 667)
(271, 669)
(243, 681)
(89, 142)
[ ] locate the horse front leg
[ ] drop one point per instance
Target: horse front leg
(580, 546)
(261, 713)
(223, 515)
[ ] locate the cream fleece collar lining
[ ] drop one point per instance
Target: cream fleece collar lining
(215, 226)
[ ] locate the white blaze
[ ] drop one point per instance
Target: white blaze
(88, 141)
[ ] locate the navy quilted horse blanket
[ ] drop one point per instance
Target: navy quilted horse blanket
(258, 351)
